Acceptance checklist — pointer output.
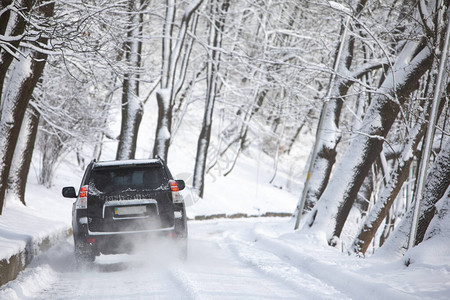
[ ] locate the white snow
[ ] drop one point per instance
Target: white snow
(47, 214)
(126, 162)
(251, 258)
(339, 7)
(247, 258)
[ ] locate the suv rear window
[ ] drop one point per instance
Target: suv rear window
(115, 180)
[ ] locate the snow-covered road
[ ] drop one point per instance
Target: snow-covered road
(228, 259)
(219, 266)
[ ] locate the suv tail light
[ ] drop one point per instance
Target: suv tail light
(82, 197)
(176, 197)
(172, 234)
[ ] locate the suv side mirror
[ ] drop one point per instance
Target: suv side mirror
(181, 184)
(69, 192)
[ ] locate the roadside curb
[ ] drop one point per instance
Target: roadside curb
(12, 266)
(239, 215)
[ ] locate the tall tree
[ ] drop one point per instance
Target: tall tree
(389, 193)
(217, 14)
(328, 132)
(132, 106)
(435, 190)
(173, 72)
(20, 166)
(331, 211)
(441, 217)
(23, 79)
(13, 16)
(401, 170)
(427, 148)
(436, 184)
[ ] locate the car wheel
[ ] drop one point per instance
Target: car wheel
(182, 248)
(83, 255)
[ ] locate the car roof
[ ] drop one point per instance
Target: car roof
(127, 162)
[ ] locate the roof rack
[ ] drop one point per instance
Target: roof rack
(160, 158)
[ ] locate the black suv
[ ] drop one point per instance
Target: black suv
(125, 201)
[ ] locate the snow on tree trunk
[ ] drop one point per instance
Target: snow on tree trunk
(397, 243)
(436, 184)
(440, 224)
(215, 42)
(332, 209)
(330, 136)
(389, 193)
(173, 72)
(435, 188)
(12, 26)
(326, 153)
(442, 77)
(23, 79)
(132, 106)
(16, 101)
(163, 125)
(132, 110)
(23, 153)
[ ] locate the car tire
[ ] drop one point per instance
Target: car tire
(83, 255)
(182, 249)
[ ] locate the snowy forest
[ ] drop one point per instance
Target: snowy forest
(367, 80)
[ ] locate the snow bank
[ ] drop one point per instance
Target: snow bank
(27, 230)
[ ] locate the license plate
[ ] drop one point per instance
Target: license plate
(130, 210)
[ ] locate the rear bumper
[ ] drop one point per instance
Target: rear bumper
(124, 242)
(159, 230)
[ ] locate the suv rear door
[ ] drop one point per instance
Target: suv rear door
(129, 198)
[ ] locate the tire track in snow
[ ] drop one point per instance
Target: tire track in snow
(54, 275)
(213, 272)
(351, 284)
(181, 279)
(273, 266)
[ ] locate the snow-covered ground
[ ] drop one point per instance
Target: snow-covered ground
(250, 258)
(246, 258)
(254, 258)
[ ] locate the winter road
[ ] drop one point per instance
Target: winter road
(225, 262)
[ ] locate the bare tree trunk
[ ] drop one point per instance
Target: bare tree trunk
(22, 156)
(297, 133)
(52, 146)
(238, 130)
(24, 77)
(132, 106)
(218, 14)
(185, 95)
(242, 139)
